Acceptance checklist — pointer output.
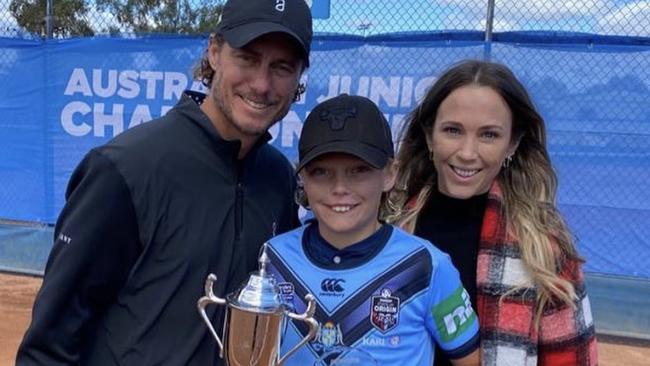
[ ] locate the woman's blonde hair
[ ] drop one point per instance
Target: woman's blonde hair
(529, 183)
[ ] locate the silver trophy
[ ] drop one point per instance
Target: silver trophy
(255, 317)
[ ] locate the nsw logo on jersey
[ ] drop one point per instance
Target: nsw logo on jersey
(384, 311)
(454, 315)
(328, 336)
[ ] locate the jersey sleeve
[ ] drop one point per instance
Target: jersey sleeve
(95, 245)
(451, 318)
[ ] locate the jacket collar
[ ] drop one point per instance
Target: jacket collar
(189, 104)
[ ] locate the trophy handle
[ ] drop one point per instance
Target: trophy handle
(307, 317)
(210, 298)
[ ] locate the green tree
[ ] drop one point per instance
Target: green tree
(69, 17)
(162, 16)
(129, 16)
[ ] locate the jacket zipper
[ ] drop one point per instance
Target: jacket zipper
(239, 203)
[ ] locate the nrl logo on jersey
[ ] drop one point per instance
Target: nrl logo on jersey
(384, 311)
(454, 315)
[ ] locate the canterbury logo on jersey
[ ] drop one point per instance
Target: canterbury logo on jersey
(332, 285)
(454, 315)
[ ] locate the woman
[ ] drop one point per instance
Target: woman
(476, 180)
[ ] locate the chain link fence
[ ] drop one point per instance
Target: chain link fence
(569, 81)
(73, 18)
(118, 18)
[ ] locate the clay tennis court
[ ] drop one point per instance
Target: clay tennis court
(17, 295)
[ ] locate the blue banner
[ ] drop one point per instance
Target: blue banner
(320, 9)
(25, 169)
(61, 98)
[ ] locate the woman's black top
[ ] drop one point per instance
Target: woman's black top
(454, 226)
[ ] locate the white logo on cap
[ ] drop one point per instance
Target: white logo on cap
(279, 5)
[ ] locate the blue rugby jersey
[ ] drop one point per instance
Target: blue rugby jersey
(391, 307)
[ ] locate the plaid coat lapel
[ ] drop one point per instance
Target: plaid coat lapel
(566, 335)
(508, 335)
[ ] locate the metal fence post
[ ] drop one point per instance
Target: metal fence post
(489, 23)
(49, 18)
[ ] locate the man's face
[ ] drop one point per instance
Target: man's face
(253, 86)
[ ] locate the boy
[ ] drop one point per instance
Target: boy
(384, 296)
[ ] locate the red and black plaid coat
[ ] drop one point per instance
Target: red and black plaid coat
(565, 335)
(509, 337)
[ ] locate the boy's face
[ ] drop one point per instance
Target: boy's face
(344, 193)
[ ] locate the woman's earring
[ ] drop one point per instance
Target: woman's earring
(507, 161)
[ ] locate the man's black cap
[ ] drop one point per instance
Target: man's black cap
(348, 124)
(242, 21)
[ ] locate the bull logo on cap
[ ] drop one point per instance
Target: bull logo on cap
(336, 116)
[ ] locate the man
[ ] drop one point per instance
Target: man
(150, 214)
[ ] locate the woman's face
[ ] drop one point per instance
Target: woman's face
(471, 137)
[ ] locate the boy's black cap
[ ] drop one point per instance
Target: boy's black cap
(244, 20)
(348, 124)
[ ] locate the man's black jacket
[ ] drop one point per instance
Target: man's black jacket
(148, 216)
